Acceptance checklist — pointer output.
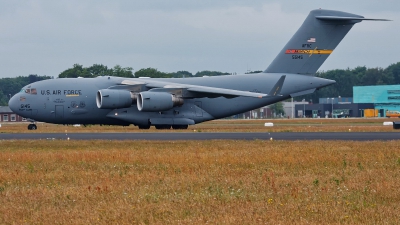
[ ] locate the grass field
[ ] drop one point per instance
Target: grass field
(280, 125)
(199, 182)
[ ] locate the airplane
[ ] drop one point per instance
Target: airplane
(179, 102)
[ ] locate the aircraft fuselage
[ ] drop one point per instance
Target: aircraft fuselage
(73, 100)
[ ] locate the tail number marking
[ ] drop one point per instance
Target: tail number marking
(25, 106)
(297, 57)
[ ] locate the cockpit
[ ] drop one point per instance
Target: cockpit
(31, 91)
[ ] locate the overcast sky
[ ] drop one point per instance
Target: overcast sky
(47, 37)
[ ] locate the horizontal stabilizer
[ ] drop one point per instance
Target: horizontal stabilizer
(306, 92)
(347, 18)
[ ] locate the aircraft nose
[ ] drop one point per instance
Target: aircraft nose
(14, 103)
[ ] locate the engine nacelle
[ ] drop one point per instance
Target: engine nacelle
(149, 101)
(114, 99)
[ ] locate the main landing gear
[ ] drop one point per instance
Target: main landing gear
(175, 127)
(144, 127)
(32, 126)
(180, 127)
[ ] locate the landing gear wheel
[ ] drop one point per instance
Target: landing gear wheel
(145, 127)
(32, 127)
(180, 127)
(163, 127)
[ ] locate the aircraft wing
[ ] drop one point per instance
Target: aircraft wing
(194, 91)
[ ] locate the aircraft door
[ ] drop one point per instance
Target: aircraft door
(199, 110)
(59, 111)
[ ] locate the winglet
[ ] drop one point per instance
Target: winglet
(276, 90)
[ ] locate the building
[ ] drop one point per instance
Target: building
(383, 97)
(331, 110)
(6, 115)
(289, 108)
(337, 107)
(261, 113)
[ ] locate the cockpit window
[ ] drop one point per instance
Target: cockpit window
(31, 91)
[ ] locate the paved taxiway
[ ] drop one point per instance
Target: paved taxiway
(354, 136)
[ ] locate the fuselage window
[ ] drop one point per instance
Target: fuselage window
(28, 91)
(33, 91)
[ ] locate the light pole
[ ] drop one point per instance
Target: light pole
(304, 108)
(292, 109)
(332, 107)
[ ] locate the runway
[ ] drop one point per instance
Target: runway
(289, 136)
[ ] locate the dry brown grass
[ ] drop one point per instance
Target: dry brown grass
(280, 125)
(198, 182)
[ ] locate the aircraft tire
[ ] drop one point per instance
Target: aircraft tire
(163, 127)
(32, 127)
(180, 127)
(146, 127)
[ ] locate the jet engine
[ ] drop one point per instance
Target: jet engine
(149, 101)
(114, 99)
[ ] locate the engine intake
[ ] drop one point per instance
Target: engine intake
(149, 101)
(114, 99)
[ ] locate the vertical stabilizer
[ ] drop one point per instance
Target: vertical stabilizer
(315, 40)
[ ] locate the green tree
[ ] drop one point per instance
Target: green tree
(257, 71)
(393, 71)
(76, 71)
(99, 70)
(96, 70)
(10, 86)
(181, 74)
(3, 99)
(277, 108)
(152, 73)
(118, 71)
(209, 73)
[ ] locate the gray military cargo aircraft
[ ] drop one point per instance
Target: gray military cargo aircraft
(180, 102)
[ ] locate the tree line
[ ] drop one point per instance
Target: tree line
(359, 76)
(11, 86)
(345, 79)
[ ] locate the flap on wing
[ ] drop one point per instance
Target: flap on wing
(228, 93)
